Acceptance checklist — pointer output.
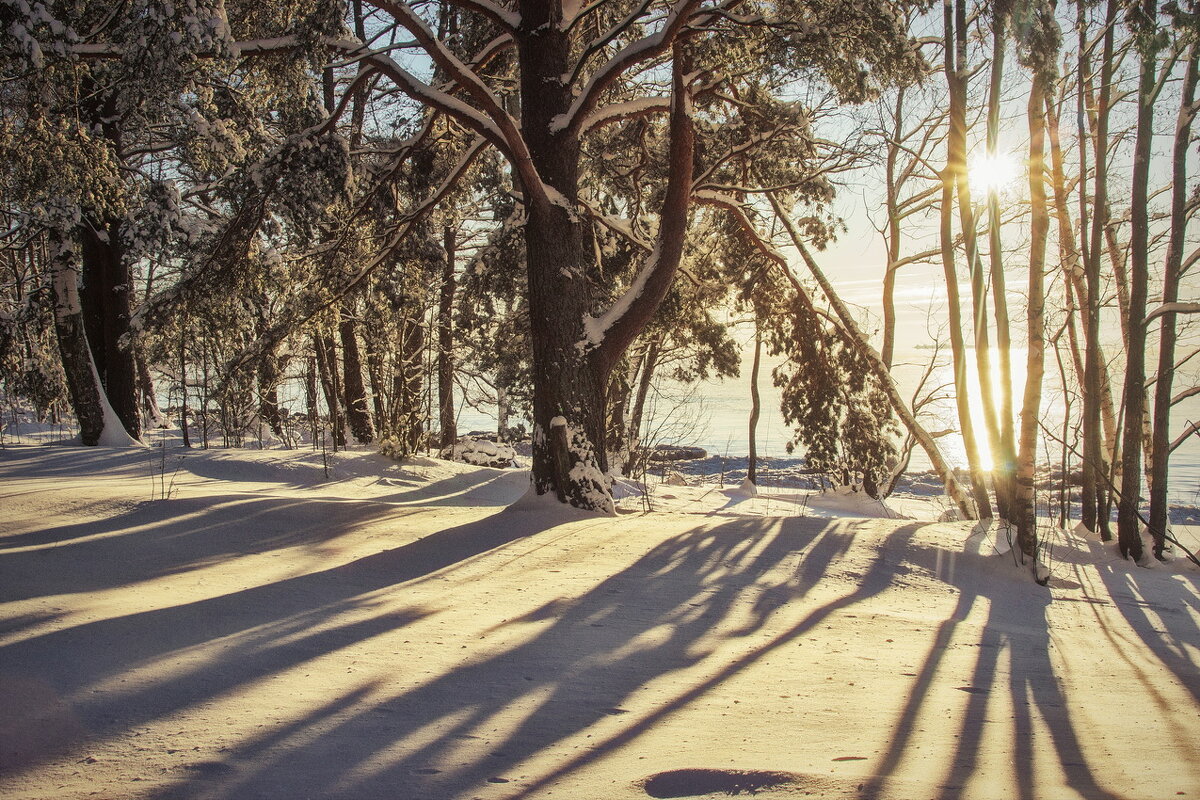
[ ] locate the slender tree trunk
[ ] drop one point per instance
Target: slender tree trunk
(183, 383)
(357, 415)
(379, 399)
(1095, 466)
(149, 395)
(1035, 363)
(893, 238)
(1001, 432)
(310, 397)
(1161, 452)
(409, 419)
(1129, 537)
(869, 354)
(956, 164)
(645, 379)
(755, 407)
(445, 339)
(331, 385)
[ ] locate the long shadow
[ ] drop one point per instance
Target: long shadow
(1175, 603)
(480, 722)
(1017, 625)
(169, 538)
(177, 535)
(264, 630)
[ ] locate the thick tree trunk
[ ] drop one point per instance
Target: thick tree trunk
(569, 457)
(574, 352)
(1161, 452)
(445, 341)
(357, 415)
(106, 290)
(268, 395)
(82, 385)
(1129, 537)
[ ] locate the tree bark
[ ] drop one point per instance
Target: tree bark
(326, 352)
(571, 362)
(445, 340)
(357, 415)
(106, 290)
(1160, 453)
(1129, 537)
(1036, 359)
(755, 408)
(82, 385)
(956, 165)
(1000, 431)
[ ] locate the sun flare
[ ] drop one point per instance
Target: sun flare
(993, 172)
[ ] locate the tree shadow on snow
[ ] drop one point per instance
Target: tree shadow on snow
(1016, 626)
(256, 633)
(480, 722)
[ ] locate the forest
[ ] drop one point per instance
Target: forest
(258, 257)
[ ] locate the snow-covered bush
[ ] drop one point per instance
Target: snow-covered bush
(481, 453)
(393, 448)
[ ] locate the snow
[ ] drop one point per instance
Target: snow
(113, 433)
(339, 625)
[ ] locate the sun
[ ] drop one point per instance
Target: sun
(993, 172)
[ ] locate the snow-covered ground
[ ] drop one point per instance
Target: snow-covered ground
(292, 624)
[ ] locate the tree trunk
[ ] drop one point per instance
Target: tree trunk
(1001, 432)
(1129, 537)
(183, 384)
(645, 379)
(82, 385)
(107, 285)
(882, 373)
(357, 415)
(893, 237)
(331, 385)
(1035, 361)
(956, 164)
(445, 340)
(1095, 466)
(408, 418)
(569, 457)
(151, 414)
(755, 407)
(1160, 453)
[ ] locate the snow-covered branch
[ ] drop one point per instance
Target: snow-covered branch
(1173, 308)
(502, 129)
(634, 53)
(503, 17)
